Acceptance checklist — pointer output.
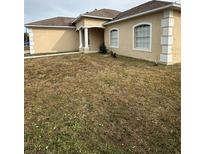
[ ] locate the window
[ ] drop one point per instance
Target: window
(114, 38)
(142, 37)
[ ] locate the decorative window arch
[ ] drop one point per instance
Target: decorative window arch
(114, 38)
(142, 37)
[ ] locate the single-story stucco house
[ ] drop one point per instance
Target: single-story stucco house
(151, 31)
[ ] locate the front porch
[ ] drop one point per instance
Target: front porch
(90, 39)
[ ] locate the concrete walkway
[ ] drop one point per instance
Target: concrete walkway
(51, 55)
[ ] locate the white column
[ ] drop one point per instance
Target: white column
(80, 38)
(86, 37)
(31, 41)
(167, 25)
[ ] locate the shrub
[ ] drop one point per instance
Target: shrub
(103, 48)
(114, 55)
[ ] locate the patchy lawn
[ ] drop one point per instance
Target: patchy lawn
(96, 104)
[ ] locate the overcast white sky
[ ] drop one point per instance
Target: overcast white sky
(42, 9)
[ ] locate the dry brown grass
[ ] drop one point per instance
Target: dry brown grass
(97, 104)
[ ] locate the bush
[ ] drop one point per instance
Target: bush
(114, 55)
(103, 48)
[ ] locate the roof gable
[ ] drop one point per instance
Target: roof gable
(142, 8)
(149, 7)
(107, 14)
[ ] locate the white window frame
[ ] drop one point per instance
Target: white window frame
(133, 37)
(118, 36)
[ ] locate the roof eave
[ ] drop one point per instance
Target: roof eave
(175, 5)
(98, 17)
(47, 26)
(76, 19)
(89, 16)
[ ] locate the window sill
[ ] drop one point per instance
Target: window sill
(142, 49)
(114, 47)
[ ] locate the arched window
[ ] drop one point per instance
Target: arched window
(114, 38)
(142, 37)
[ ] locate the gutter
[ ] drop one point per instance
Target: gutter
(144, 13)
(47, 26)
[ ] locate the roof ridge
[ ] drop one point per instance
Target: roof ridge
(109, 9)
(95, 10)
(148, 3)
(64, 17)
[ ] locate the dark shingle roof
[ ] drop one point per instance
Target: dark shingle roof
(57, 21)
(154, 4)
(107, 13)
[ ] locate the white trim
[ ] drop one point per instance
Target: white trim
(32, 51)
(167, 31)
(31, 38)
(86, 38)
(30, 34)
(118, 36)
(168, 14)
(167, 22)
(31, 48)
(167, 40)
(80, 39)
(167, 49)
(29, 30)
(143, 13)
(90, 16)
(47, 26)
(31, 43)
(133, 37)
(91, 27)
(166, 58)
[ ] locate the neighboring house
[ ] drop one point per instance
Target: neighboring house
(151, 31)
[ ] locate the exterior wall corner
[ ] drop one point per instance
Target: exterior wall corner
(167, 40)
(31, 41)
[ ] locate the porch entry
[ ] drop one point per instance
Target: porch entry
(90, 39)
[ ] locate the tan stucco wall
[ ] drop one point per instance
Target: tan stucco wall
(90, 22)
(94, 22)
(96, 38)
(177, 37)
(55, 40)
(80, 23)
(126, 37)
